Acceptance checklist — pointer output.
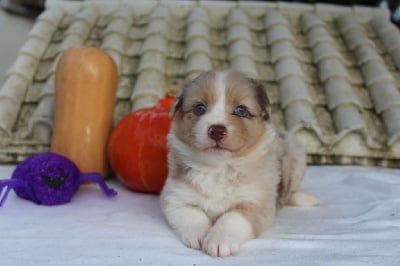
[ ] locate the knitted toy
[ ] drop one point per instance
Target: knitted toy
(49, 179)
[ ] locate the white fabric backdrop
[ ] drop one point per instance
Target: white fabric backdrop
(358, 223)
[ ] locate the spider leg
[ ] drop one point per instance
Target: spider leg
(5, 195)
(95, 177)
(12, 184)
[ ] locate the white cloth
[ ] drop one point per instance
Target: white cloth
(358, 223)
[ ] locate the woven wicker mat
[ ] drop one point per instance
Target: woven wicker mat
(331, 72)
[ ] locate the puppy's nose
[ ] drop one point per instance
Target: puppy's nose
(217, 132)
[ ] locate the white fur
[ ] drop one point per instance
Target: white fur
(227, 235)
(216, 116)
(300, 198)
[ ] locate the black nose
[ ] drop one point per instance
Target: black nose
(217, 132)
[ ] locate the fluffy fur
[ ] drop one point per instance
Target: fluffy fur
(230, 171)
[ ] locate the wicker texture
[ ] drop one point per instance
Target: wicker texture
(331, 72)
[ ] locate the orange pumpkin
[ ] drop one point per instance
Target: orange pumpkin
(137, 148)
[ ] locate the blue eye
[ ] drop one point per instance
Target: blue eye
(199, 109)
(241, 111)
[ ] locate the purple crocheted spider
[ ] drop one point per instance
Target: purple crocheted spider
(49, 179)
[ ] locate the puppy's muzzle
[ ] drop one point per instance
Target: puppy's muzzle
(217, 132)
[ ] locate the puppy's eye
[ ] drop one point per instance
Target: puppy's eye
(241, 111)
(199, 109)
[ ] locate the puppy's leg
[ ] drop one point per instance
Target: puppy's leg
(191, 224)
(235, 227)
(293, 170)
(227, 235)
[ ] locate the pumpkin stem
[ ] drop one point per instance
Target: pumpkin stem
(97, 178)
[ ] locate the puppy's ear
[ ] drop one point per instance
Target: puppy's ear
(262, 98)
(177, 105)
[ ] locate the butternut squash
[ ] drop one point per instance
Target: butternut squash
(85, 85)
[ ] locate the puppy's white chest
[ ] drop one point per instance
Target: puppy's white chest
(216, 189)
(209, 181)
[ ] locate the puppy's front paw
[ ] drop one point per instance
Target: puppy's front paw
(193, 237)
(227, 235)
(190, 223)
(219, 244)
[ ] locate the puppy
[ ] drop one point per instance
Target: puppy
(230, 171)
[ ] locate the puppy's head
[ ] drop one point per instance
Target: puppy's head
(221, 113)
